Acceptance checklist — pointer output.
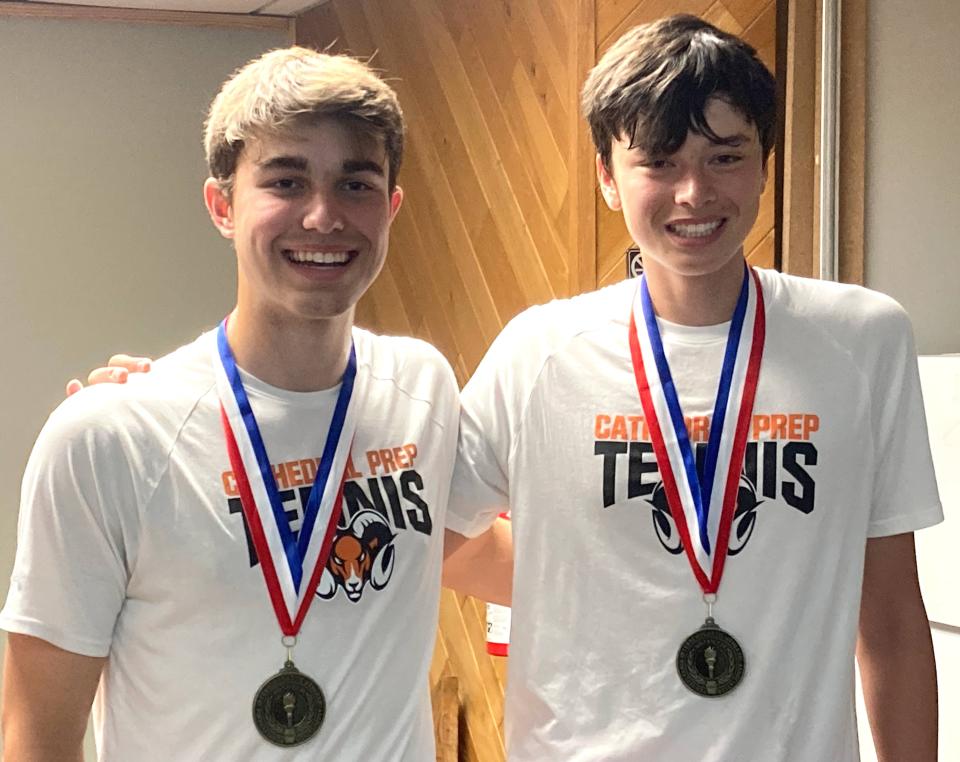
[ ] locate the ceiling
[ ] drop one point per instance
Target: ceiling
(268, 7)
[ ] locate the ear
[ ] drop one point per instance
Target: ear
(608, 186)
(219, 207)
(396, 199)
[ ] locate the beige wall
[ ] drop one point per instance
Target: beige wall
(912, 231)
(104, 242)
(913, 164)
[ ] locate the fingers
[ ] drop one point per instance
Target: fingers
(130, 363)
(73, 386)
(108, 376)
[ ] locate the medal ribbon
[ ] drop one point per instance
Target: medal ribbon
(702, 508)
(291, 565)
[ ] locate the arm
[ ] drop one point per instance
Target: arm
(47, 693)
(895, 653)
(481, 566)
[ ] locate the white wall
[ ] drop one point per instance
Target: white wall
(913, 254)
(104, 241)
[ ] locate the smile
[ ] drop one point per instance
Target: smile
(695, 230)
(321, 258)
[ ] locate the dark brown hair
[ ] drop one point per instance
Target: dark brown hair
(654, 84)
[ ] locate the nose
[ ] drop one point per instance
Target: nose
(323, 213)
(695, 189)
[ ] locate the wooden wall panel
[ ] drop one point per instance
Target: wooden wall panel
(755, 21)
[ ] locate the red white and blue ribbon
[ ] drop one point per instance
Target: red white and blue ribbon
(702, 506)
(291, 564)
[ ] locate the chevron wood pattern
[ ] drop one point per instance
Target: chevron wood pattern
(500, 198)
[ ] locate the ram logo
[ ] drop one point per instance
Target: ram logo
(361, 553)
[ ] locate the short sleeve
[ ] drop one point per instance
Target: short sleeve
(905, 496)
(77, 519)
(491, 406)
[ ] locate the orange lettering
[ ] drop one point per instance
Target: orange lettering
(761, 423)
(352, 473)
(411, 451)
(619, 428)
(387, 457)
(229, 484)
(280, 475)
(373, 460)
(294, 475)
(811, 423)
(778, 426)
(601, 427)
(400, 457)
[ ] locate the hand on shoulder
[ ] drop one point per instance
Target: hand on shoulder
(116, 371)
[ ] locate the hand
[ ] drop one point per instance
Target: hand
(117, 370)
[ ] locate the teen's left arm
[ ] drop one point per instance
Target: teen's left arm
(481, 566)
(895, 653)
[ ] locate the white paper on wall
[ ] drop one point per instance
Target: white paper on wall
(938, 547)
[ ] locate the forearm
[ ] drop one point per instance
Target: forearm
(895, 652)
(481, 566)
(24, 742)
(899, 679)
(46, 700)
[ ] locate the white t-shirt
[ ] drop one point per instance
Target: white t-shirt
(132, 544)
(552, 426)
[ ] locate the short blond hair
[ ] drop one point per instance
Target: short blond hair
(293, 85)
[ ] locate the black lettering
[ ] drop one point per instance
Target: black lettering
(356, 499)
(410, 484)
(642, 461)
(609, 451)
(804, 499)
(770, 470)
(391, 487)
(235, 506)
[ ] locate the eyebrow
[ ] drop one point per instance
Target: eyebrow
(300, 164)
(362, 165)
(733, 140)
(284, 162)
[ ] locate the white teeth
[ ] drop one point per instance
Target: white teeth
(320, 257)
(700, 230)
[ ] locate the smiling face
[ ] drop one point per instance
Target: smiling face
(690, 211)
(309, 216)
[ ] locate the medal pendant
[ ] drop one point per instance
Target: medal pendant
(710, 662)
(289, 707)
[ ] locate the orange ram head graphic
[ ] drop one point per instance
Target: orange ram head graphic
(361, 553)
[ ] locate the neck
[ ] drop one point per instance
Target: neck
(695, 300)
(299, 356)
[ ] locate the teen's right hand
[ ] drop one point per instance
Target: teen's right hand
(116, 371)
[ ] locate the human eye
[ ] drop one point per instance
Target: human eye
(356, 186)
(727, 159)
(655, 163)
(285, 185)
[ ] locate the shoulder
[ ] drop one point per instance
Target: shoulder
(857, 321)
(145, 412)
(413, 366)
(836, 304)
(539, 332)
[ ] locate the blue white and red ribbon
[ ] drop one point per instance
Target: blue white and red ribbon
(702, 508)
(291, 565)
